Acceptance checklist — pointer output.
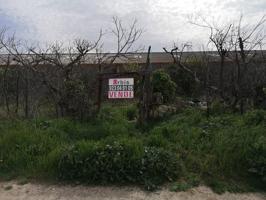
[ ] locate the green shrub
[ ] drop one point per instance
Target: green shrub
(162, 83)
(118, 162)
(255, 117)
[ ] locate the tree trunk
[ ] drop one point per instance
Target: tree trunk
(207, 88)
(17, 92)
(146, 93)
(221, 77)
(26, 94)
(242, 75)
(5, 92)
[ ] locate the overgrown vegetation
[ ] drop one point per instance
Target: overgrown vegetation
(226, 151)
(83, 139)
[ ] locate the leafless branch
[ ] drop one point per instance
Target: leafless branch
(177, 54)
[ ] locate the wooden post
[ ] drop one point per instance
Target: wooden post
(146, 92)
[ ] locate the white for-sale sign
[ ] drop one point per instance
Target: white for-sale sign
(121, 88)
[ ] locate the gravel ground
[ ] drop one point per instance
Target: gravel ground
(32, 191)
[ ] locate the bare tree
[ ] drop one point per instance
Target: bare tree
(125, 39)
(6, 67)
(246, 40)
(177, 55)
(20, 56)
(220, 38)
(62, 74)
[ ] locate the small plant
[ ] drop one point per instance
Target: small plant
(163, 84)
(132, 113)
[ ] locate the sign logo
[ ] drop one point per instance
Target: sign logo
(121, 88)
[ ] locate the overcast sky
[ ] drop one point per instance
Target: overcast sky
(164, 21)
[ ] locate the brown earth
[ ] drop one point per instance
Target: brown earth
(33, 191)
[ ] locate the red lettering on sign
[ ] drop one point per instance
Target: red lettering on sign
(115, 82)
(110, 95)
(120, 94)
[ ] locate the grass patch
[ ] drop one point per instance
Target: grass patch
(226, 151)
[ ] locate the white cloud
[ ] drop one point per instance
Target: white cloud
(163, 20)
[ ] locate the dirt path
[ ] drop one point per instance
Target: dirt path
(16, 191)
